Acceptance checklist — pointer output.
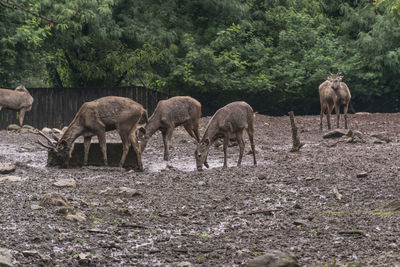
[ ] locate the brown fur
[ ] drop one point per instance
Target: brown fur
(333, 93)
(18, 99)
(229, 120)
(170, 113)
(101, 115)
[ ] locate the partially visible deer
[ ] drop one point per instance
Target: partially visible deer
(18, 99)
(333, 93)
(95, 118)
(170, 113)
(228, 121)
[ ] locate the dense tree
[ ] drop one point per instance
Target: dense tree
(272, 53)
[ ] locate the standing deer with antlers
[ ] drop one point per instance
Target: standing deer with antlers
(333, 93)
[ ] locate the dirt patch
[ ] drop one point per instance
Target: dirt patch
(171, 214)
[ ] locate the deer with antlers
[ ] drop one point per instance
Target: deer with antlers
(95, 118)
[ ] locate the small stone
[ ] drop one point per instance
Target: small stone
(273, 259)
(36, 207)
(184, 264)
(382, 136)
(10, 179)
(46, 130)
(118, 201)
(29, 253)
(335, 133)
(13, 127)
(393, 246)
(362, 174)
(78, 217)
(54, 199)
(6, 258)
(201, 183)
(65, 183)
(6, 167)
(128, 192)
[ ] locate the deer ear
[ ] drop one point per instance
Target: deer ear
(62, 145)
(142, 130)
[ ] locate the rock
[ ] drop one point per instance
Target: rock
(77, 217)
(362, 174)
(65, 183)
(10, 179)
(30, 253)
(382, 136)
(335, 133)
(201, 183)
(54, 199)
(46, 130)
(128, 192)
(36, 207)
(301, 223)
(13, 127)
(362, 113)
(55, 130)
(29, 127)
(184, 264)
(6, 258)
(118, 201)
(274, 258)
(354, 137)
(6, 167)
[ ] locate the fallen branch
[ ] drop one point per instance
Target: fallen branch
(336, 192)
(296, 140)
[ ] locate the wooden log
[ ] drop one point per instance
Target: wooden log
(295, 137)
(95, 157)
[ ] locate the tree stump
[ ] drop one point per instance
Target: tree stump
(95, 157)
(295, 137)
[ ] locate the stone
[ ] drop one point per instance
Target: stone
(6, 259)
(382, 136)
(274, 258)
(54, 199)
(184, 264)
(362, 174)
(128, 192)
(7, 167)
(10, 179)
(335, 133)
(13, 127)
(46, 130)
(65, 183)
(77, 217)
(36, 207)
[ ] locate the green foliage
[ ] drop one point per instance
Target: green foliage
(272, 53)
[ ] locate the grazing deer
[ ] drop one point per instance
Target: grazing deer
(95, 118)
(229, 120)
(170, 113)
(18, 99)
(333, 93)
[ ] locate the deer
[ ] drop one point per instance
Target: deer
(169, 114)
(333, 93)
(18, 99)
(96, 117)
(230, 120)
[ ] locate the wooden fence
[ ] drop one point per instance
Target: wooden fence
(56, 107)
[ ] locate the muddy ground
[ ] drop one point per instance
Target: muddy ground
(174, 215)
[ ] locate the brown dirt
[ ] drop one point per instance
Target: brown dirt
(215, 217)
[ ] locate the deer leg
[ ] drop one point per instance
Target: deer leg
(125, 148)
(137, 149)
(239, 138)
(86, 146)
(226, 142)
(345, 109)
(328, 116)
(167, 140)
(21, 116)
(250, 133)
(196, 131)
(103, 146)
(337, 111)
(321, 116)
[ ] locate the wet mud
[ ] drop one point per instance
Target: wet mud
(323, 204)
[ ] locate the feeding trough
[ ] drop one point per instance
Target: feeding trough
(95, 157)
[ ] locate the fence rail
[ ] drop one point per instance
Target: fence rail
(56, 107)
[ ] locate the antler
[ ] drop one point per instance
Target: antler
(51, 142)
(45, 146)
